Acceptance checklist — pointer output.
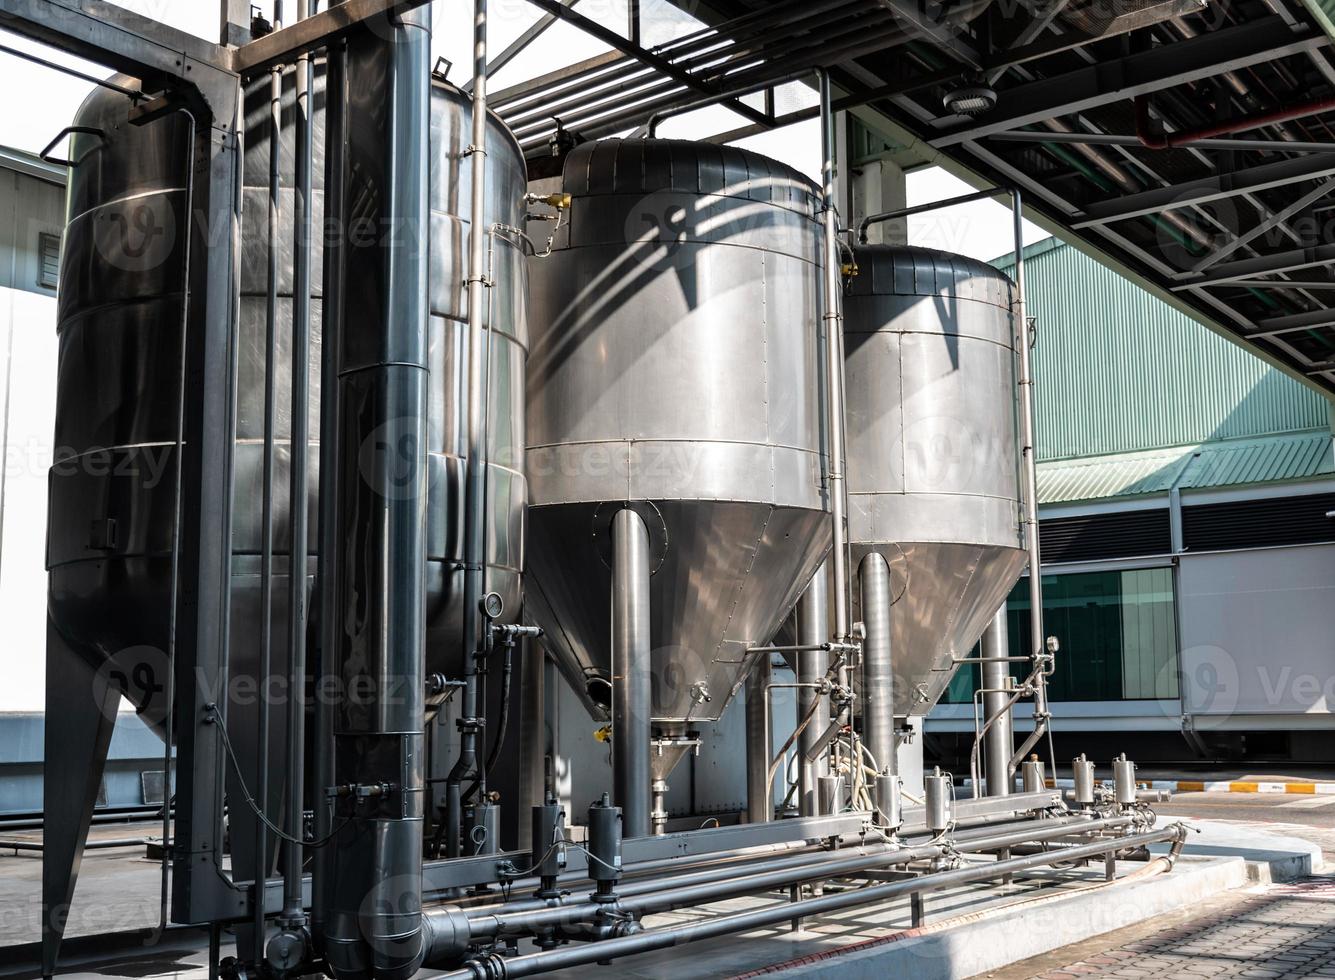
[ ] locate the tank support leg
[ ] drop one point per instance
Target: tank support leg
(759, 804)
(878, 691)
(75, 753)
(631, 691)
(813, 628)
(999, 742)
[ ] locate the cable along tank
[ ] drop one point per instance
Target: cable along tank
(120, 324)
(933, 476)
(675, 370)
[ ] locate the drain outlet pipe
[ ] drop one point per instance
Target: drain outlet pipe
(373, 919)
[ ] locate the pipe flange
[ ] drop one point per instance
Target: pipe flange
(605, 513)
(487, 966)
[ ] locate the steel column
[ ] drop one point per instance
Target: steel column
(631, 671)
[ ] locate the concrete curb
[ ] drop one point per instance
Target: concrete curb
(1207, 786)
(959, 948)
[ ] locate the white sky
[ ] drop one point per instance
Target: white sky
(982, 231)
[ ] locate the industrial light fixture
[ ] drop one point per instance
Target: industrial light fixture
(971, 98)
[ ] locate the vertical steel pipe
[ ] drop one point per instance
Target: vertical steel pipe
(813, 628)
(327, 577)
(759, 803)
(631, 671)
(878, 679)
(994, 674)
(298, 484)
(532, 733)
(475, 486)
(1029, 463)
(373, 920)
(266, 506)
(834, 366)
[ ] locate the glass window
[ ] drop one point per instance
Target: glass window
(1118, 633)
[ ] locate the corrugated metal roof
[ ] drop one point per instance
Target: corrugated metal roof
(1296, 456)
(1119, 371)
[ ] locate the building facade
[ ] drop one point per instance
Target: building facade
(1187, 497)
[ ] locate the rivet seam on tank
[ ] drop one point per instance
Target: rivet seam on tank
(741, 584)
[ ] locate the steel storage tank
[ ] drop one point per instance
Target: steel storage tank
(675, 370)
(933, 474)
(120, 324)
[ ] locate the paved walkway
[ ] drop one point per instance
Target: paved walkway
(1283, 931)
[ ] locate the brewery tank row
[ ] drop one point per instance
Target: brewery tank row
(663, 356)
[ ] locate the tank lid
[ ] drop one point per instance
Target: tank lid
(644, 166)
(905, 270)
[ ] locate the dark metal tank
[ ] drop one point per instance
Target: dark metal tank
(120, 322)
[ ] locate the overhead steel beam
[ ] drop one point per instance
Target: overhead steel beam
(1124, 139)
(1293, 323)
(1228, 273)
(124, 41)
(1215, 188)
(1106, 82)
(1283, 283)
(517, 46)
(949, 37)
(660, 64)
(1043, 16)
(234, 29)
(315, 32)
(1323, 189)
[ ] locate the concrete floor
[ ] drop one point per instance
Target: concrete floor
(1266, 930)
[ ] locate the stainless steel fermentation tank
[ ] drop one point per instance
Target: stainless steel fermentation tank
(675, 372)
(933, 473)
(120, 386)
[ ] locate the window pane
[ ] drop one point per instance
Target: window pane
(1118, 634)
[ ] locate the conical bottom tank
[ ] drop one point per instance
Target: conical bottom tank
(674, 368)
(932, 462)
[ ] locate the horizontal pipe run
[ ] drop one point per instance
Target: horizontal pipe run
(681, 871)
(494, 968)
(780, 873)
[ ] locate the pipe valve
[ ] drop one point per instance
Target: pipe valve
(561, 202)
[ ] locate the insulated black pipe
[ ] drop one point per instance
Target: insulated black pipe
(373, 921)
